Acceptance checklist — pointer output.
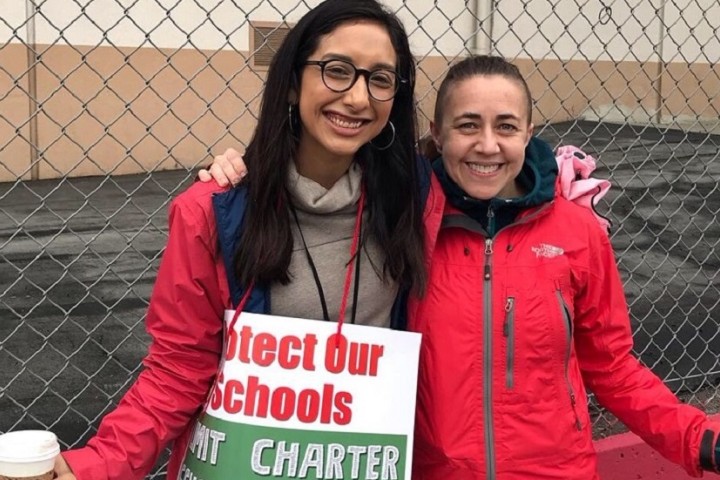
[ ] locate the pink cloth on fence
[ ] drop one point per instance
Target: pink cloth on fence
(575, 167)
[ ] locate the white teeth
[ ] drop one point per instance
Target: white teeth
(344, 123)
(483, 168)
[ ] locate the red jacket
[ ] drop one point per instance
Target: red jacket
(184, 320)
(514, 330)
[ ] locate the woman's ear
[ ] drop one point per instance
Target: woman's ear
(436, 136)
(530, 131)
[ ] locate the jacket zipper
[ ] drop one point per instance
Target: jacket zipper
(487, 341)
(509, 333)
(568, 338)
(487, 349)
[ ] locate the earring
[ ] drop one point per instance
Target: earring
(292, 119)
(392, 140)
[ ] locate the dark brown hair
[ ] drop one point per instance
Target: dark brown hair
(484, 66)
(390, 176)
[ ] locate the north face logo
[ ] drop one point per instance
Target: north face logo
(547, 251)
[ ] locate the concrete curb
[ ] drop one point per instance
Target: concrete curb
(626, 456)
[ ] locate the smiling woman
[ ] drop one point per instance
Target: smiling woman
(483, 132)
(525, 310)
(337, 112)
(332, 194)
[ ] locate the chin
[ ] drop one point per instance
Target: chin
(346, 150)
(480, 194)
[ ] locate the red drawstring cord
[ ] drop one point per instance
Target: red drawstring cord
(351, 264)
(241, 305)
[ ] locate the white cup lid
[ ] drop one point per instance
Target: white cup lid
(26, 446)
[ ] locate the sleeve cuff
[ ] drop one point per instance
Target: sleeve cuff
(86, 464)
(710, 451)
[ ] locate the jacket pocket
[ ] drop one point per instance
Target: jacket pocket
(509, 334)
(567, 323)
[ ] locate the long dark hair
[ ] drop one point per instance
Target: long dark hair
(389, 176)
(483, 66)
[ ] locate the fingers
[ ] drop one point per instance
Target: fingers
(204, 176)
(219, 175)
(62, 470)
(226, 169)
(230, 165)
(61, 465)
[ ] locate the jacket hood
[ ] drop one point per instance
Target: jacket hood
(538, 177)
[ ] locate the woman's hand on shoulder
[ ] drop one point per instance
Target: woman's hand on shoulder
(226, 169)
(62, 470)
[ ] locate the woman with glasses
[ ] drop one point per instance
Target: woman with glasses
(332, 164)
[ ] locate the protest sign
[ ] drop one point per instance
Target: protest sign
(293, 399)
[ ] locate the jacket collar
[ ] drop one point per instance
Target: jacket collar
(537, 177)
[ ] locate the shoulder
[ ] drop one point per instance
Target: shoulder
(580, 228)
(577, 215)
(198, 196)
(194, 206)
(197, 199)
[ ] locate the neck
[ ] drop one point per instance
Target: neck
(513, 190)
(322, 168)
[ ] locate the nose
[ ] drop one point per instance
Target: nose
(358, 96)
(487, 141)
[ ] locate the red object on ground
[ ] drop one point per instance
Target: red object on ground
(626, 456)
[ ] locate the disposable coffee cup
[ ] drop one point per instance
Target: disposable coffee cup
(28, 455)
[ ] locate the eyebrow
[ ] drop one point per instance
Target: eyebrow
(477, 116)
(376, 66)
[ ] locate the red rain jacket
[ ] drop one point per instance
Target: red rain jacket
(514, 331)
(184, 355)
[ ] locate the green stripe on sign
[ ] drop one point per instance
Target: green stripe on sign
(221, 450)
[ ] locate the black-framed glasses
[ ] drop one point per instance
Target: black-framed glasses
(340, 76)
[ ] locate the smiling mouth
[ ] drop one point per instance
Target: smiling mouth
(483, 169)
(344, 122)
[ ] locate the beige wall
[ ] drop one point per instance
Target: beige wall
(691, 94)
(14, 107)
(565, 90)
(134, 102)
(100, 115)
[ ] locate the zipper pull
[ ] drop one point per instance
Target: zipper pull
(488, 252)
(506, 323)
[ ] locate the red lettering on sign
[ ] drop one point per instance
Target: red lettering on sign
(308, 405)
(285, 359)
(335, 352)
(255, 399)
(309, 343)
(257, 394)
(283, 404)
(359, 358)
(231, 403)
(343, 416)
(264, 348)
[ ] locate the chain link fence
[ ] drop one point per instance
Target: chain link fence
(108, 106)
